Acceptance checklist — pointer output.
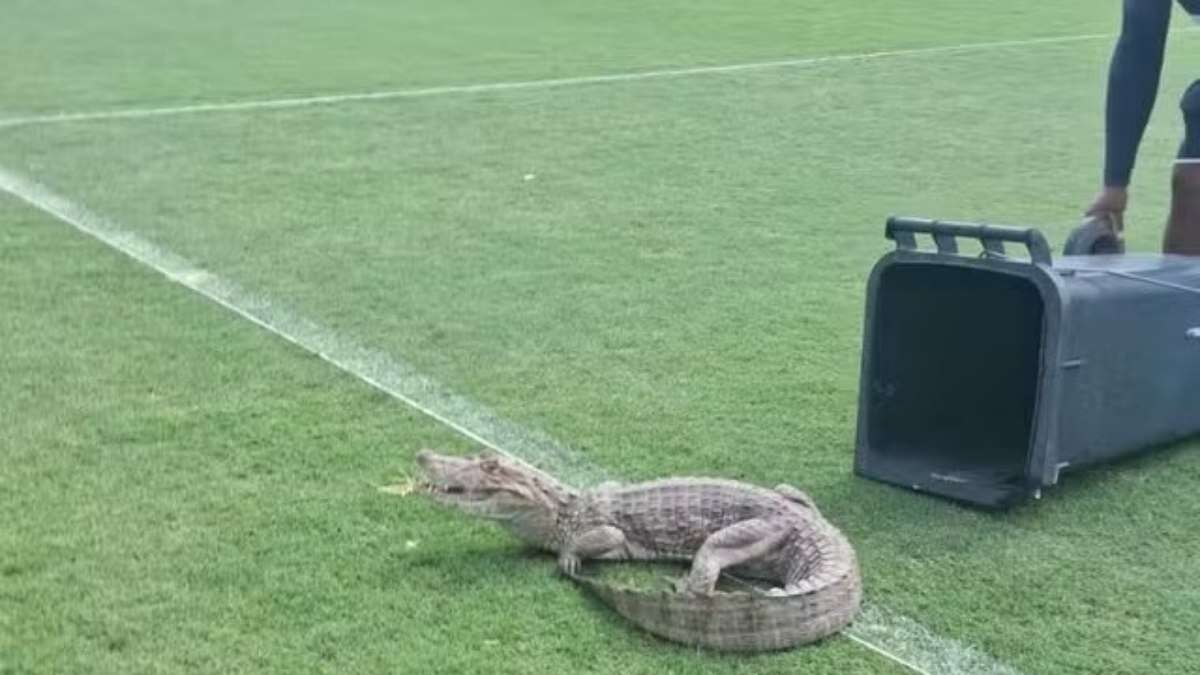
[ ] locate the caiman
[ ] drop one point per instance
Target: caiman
(775, 536)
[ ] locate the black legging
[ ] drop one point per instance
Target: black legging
(1133, 79)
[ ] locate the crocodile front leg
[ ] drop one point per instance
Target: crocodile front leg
(734, 545)
(604, 541)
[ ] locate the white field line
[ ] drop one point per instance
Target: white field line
(389, 375)
(914, 646)
(299, 102)
(892, 635)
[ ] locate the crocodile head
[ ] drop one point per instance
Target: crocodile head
(490, 485)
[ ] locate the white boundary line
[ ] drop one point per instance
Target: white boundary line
(305, 101)
(915, 647)
(893, 636)
(389, 375)
(850, 633)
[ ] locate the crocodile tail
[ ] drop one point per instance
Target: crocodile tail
(738, 621)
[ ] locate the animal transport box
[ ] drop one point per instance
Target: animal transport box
(985, 377)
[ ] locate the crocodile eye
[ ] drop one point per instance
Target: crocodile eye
(490, 465)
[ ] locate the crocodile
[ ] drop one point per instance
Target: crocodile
(777, 536)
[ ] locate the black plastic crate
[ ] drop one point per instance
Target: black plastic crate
(984, 377)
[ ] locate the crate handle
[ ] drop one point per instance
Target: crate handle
(945, 234)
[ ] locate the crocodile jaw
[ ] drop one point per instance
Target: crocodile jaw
(453, 481)
(520, 498)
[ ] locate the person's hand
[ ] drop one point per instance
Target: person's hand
(1111, 203)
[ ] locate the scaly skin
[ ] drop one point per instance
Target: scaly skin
(719, 525)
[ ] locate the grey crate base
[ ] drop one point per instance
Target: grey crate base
(986, 377)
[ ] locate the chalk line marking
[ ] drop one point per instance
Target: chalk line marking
(381, 371)
(917, 648)
(891, 635)
(300, 102)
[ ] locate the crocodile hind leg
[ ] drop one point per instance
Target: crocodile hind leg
(797, 495)
(599, 542)
(734, 545)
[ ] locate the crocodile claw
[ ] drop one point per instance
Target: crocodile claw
(684, 586)
(569, 564)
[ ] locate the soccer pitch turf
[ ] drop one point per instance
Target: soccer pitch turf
(663, 273)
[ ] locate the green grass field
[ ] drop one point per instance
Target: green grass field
(666, 275)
